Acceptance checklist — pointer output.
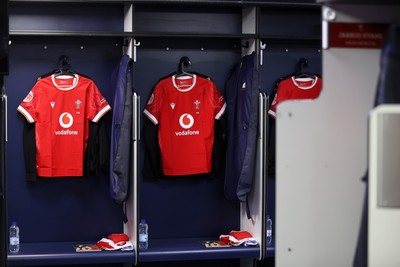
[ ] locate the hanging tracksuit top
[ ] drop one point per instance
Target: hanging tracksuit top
(241, 92)
(121, 131)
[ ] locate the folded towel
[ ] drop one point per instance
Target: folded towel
(116, 242)
(237, 238)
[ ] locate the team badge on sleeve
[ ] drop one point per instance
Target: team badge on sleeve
(151, 99)
(29, 97)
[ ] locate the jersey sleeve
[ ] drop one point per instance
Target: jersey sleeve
(152, 109)
(219, 103)
(272, 108)
(280, 95)
(28, 106)
(96, 105)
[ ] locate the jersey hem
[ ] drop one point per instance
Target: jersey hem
(58, 173)
(186, 172)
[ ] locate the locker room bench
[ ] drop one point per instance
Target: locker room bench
(53, 253)
(192, 249)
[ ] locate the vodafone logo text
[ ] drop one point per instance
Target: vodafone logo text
(66, 120)
(186, 121)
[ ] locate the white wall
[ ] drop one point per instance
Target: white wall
(384, 215)
(322, 154)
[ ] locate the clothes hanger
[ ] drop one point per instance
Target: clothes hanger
(64, 67)
(300, 73)
(303, 63)
(183, 63)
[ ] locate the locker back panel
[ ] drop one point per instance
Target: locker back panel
(186, 207)
(61, 209)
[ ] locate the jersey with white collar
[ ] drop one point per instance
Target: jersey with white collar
(185, 109)
(294, 89)
(61, 108)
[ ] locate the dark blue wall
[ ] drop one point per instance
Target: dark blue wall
(188, 207)
(64, 209)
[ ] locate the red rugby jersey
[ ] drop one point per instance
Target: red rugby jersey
(294, 89)
(61, 108)
(185, 109)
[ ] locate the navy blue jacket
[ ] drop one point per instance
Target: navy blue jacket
(121, 131)
(241, 94)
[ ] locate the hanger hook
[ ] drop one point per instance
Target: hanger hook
(184, 63)
(64, 63)
(303, 63)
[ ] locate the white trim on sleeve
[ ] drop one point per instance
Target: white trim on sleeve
(272, 113)
(26, 114)
(101, 113)
(222, 110)
(150, 116)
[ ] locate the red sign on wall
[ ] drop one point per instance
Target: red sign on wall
(357, 35)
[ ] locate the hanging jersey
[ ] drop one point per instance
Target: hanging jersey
(61, 108)
(294, 89)
(184, 109)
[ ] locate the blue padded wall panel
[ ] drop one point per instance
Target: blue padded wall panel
(184, 208)
(64, 209)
